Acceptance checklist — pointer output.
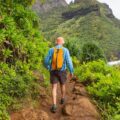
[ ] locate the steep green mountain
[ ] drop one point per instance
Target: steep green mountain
(84, 21)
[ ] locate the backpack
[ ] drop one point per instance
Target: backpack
(57, 59)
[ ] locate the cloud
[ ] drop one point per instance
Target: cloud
(68, 1)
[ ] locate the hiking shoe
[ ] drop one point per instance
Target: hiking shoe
(53, 108)
(62, 101)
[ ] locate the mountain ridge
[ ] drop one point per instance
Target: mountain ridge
(49, 5)
(84, 21)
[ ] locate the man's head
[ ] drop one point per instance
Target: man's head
(60, 41)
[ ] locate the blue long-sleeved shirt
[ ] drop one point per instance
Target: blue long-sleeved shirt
(67, 59)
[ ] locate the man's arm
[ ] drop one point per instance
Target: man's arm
(69, 62)
(48, 58)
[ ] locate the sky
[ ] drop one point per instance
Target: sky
(114, 5)
(68, 1)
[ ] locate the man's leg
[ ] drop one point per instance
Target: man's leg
(54, 93)
(63, 90)
(63, 78)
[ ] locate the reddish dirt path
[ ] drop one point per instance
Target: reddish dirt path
(78, 106)
(69, 96)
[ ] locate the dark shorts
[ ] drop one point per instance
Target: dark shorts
(58, 76)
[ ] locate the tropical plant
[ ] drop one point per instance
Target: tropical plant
(103, 83)
(91, 52)
(22, 49)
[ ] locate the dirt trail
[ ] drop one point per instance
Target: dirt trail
(78, 106)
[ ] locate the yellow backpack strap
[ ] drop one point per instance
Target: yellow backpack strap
(53, 62)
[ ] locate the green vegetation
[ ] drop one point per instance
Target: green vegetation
(92, 27)
(74, 47)
(90, 52)
(86, 52)
(22, 48)
(103, 84)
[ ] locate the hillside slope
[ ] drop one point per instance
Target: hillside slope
(85, 20)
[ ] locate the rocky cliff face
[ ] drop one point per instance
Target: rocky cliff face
(109, 12)
(48, 5)
(86, 1)
(82, 12)
(86, 7)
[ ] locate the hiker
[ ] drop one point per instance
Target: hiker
(56, 61)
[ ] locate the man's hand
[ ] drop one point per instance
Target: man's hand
(70, 76)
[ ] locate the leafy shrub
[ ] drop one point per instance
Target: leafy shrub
(22, 49)
(75, 61)
(90, 52)
(73, 46)
(103, 83)
(92, 71)
(3, 113)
